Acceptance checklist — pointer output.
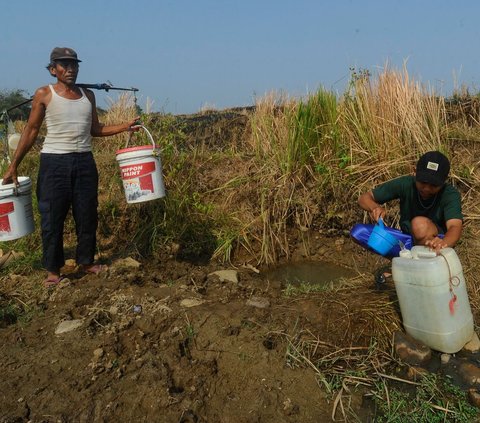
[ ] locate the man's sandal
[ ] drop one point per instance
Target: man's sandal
(95, 269)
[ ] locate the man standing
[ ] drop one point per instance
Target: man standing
(67, 175)
(430, 208)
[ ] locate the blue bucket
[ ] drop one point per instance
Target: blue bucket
(380, 240)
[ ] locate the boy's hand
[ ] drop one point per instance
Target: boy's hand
(436, 244)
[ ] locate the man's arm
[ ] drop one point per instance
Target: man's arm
(99, 130)
(29, 134)
(367, 202)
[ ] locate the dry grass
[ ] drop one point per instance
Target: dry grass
(121, 109)
(375, 132)
(388, 122)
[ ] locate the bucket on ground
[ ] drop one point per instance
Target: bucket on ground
(141, 171)
(16, 211)
(380, 240)
(433, 298)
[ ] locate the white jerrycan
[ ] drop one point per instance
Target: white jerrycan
(433, 298)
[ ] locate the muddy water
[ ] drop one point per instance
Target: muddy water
(308, 272)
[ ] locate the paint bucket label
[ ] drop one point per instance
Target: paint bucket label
(138, 181)
(5, 210)
(16, 211)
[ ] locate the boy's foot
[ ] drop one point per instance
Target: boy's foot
(381, 276)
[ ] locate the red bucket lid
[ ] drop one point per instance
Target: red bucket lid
(132, 149)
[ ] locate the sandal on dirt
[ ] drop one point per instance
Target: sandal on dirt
(95, 269)
(52, 282)
(381, 276)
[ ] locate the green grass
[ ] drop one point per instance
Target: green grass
(436, 399)
(14, 311)
(26, 260)
(303, 288)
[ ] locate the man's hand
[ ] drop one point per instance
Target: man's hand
(10, 177)
(135, 124)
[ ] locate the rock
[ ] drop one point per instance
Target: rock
(469, 373)
(258, 302)
(174, 248)
(191, 302)
(473, 345)
(68, 326)
(474, 397)
(98, 354)
(226, 275)
(445, 358)
(126, 263)
(410, 350)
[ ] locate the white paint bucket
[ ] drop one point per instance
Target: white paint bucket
(141, 172)
(16, 212)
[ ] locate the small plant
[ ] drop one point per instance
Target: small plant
(13, 310)
(9, 314)
(190, 330)
(436, 399)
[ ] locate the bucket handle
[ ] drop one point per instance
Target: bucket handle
(130, 134)
(380, 223)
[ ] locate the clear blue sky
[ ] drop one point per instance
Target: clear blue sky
(185, 54)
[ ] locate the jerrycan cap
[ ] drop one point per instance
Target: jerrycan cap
(406, 254)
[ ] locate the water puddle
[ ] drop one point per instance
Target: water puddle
(308, 273)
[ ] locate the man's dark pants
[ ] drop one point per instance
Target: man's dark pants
(64, 181)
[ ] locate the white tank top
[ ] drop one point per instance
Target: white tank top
(68, 125)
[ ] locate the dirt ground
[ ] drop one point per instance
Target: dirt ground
(170, 342)
(166, 340)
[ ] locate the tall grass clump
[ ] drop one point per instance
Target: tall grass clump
(388, 121)
(294, 133)
(316, 155)
(293, 141)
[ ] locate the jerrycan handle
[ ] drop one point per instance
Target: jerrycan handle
(130, 134)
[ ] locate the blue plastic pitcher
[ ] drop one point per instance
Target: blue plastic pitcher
(380, 240)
